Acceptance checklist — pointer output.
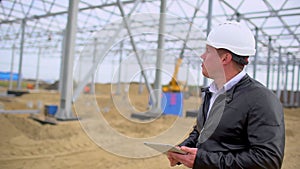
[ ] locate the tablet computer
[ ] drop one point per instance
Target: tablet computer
(164, 147)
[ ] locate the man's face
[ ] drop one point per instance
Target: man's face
(211, 65)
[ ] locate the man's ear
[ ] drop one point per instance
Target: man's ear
(227, 57)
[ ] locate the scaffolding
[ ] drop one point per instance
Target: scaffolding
(46, 28)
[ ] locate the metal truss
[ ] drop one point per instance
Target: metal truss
(276, 25)
(46, 20)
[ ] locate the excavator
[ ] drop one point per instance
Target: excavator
(174, 85)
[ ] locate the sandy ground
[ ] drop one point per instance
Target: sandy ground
(25, 143)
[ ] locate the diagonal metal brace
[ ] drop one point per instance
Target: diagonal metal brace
(98, 60)
(149, 88)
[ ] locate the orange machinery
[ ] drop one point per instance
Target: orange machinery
(174, 85)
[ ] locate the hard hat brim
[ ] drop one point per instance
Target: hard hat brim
(234, 49)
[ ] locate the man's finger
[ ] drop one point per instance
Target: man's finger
(173, 161)
(189, 150)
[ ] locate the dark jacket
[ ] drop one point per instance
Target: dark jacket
(245, 129)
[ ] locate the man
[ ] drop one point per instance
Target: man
(244, 124)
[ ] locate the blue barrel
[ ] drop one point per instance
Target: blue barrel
(173, 103)
(51, 110)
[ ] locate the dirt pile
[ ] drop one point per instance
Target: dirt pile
(26, 143)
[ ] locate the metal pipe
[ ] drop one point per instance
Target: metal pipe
(292, 94)
(140, 91)
(198, 73)
(186, 85)
(278, 92)
(118, 92)
(285, 93)
(209, 18)
(298, 86)
(38, 69)
(65, 111)
(269, 62)
(62, 61)
(93, 82)
(160, 52)
(273, 75)
(256, 53)
(12, 67)
(19, 84)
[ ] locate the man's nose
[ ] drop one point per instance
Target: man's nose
(202, 56)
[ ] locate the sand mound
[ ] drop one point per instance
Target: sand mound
(36, 131)
(26, 143)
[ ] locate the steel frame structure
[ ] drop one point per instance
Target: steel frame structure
(26, 28)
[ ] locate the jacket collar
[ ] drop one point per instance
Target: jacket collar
(230, 92)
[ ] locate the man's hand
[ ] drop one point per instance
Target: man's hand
(172, 160)
(187, 160)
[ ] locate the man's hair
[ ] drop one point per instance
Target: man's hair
(241, 61)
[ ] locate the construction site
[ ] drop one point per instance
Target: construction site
(84, 84)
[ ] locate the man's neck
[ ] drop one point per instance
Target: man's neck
(231, 75)
(220, 81)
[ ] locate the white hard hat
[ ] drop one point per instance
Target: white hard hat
(234, 37)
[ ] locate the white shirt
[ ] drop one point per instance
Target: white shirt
(227, 86)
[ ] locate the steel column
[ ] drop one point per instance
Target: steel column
(278, 92)
(118, 92)
(19, 84)
(292, 94)
(12, 67)
(65, 111)
(62, 61)
(256, 53)
(93, 82)
(160, 52)
(272, 84)
(209, 18)
(298, 86)
(285, 92)
(141, 88)
(38, 69)
(269, 62)
(186, 85)
(198, 72)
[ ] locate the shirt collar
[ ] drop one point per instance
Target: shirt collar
(214, 89)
